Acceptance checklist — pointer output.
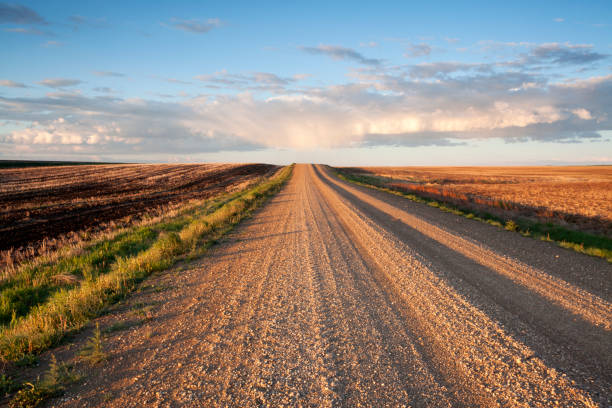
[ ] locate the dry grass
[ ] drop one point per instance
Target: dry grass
(579, 196)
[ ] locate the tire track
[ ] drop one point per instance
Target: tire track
(580, 302)
(474, 353)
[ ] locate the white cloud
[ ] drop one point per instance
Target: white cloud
(582, 114)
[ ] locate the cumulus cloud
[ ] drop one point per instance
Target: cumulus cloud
(582, 114)
(380, 110)
(12, 84)
(195, 26)
(18, 14)
(440, 103)
(418, 50)
(341, 53)
(60, 82)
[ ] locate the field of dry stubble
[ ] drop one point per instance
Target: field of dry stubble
(578, 196)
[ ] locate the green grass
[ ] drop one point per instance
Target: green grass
(43, 301)
(578, 241)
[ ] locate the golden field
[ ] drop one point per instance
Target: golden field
(580, 195)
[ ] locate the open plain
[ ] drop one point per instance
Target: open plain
(339, 295)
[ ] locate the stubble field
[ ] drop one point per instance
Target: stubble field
(574, 196)
(41, 206)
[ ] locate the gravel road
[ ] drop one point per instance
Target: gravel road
(338, 295)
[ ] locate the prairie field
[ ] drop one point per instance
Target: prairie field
(350, 295)
(39, 206)
(577, 196)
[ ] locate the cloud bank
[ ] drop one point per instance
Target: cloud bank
(440, 103)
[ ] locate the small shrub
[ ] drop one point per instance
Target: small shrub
(52, 385)
(29, 397)
(59, 374)
(27, 360)
(93, 351)
(7, 385)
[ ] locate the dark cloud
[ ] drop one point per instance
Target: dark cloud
(196, 26)
(59, 82)
(418, 50)
(341, 53)
(18, 14)
(565, 54)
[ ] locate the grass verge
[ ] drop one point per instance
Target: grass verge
(579, 241)
(62, 296)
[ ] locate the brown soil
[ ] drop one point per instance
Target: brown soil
(336, 295)
(49, 202)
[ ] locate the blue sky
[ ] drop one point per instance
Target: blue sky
(398, 83)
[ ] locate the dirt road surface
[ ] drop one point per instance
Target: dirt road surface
(337, 295)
